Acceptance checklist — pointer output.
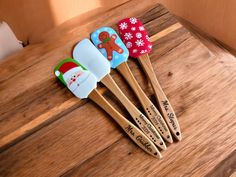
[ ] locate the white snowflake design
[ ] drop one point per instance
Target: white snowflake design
(139, 42)
(143, 51)
(138, 35)
(141, 28)
(135, 50)
(147, 37)
(133, 28)
(149, 46)
(129, 45)
(123, 26)
(133, 20)
(128, 36)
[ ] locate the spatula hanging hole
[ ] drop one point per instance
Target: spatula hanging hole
(177, 133)
(168, 136)
(161, 143)
(155, 153)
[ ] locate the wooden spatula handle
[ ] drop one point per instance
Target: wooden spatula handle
(151, 111)
(134, 133)
(144, 124)
(164, 104)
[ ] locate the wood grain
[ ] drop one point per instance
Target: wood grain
(131, 130)
(203, 15)
(150, 109)
(141, 120)
(206, 130)
(162, 101)
(39, 61)
(199, 83)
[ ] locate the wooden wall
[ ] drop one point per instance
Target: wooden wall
(215, 17)
(30, 20)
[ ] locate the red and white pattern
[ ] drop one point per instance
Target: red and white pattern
(134, 36)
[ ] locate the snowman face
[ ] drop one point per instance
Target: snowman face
(75, 77)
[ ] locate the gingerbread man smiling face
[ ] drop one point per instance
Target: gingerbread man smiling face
(103, 35)
(108, 43)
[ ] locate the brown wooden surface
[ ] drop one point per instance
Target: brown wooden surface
(161, 98)
(200, 84)
(140, 119)
(149, 108)
(131, 130)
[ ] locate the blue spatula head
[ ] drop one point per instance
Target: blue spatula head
(76, 77)
(90, 57)
(110, 45)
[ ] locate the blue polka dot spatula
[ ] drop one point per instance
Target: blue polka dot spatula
(112, 47)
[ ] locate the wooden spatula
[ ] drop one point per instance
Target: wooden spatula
(83, 84)
(88, 55)
(112, 47)
(139, 46)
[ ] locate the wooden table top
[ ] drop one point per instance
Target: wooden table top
(46, 131)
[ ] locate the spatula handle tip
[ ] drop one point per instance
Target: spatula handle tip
(164, 104)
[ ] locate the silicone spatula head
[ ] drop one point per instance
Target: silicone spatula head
(135, 37)
(90, 57)
(76, 77)
(110, 45)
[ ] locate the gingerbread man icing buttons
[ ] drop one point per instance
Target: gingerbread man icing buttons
(135, 37)
(110, 45)
(77, 79)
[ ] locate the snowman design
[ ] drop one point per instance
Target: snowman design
(75, 77)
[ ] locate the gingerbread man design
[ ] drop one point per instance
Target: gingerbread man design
(108, 42)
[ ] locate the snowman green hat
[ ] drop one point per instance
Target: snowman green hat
(75, 77)
(64, 66)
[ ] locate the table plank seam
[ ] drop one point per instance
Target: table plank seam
(66, 173)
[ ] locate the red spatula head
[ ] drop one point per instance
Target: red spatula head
(134, 36)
